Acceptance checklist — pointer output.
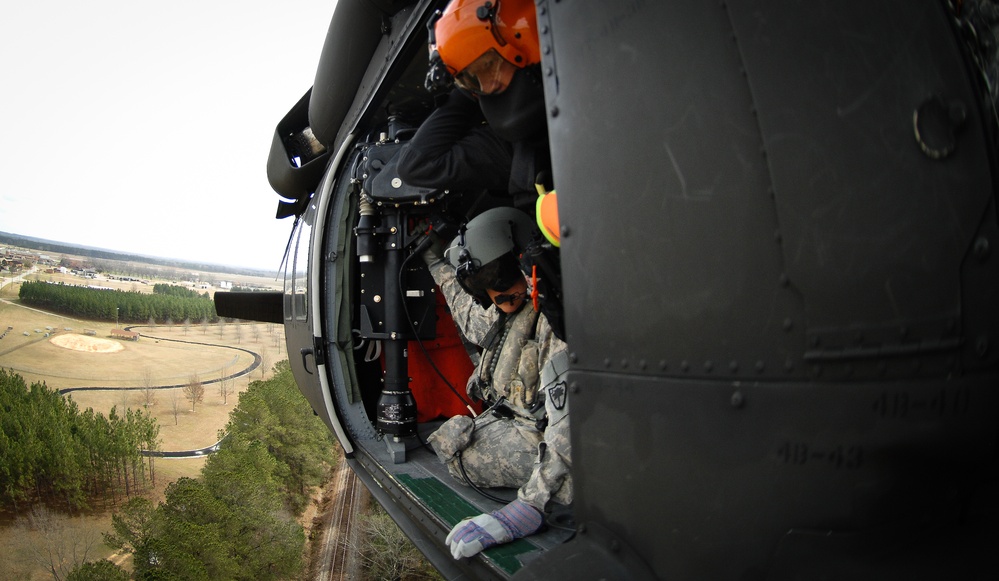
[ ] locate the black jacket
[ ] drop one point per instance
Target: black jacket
(455, 149)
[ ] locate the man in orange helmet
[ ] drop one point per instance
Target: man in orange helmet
(484, 44)
(491, 133)
(490, 51)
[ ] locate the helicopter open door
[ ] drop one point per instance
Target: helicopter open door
(778, 231)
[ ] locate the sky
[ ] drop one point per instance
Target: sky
(144, 127)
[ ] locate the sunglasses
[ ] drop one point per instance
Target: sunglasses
(509, 298)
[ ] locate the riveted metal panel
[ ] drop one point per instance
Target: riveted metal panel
(668, 228)
(870, 477)
(873, 228)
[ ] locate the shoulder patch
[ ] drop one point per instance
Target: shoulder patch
(556, 395)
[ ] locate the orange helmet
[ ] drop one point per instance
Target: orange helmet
(469, 29)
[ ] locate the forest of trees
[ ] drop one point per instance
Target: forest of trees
(123, 306)
(237, 521)
(52, 452)
(173, 290)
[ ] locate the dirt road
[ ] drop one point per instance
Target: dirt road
(338, 560)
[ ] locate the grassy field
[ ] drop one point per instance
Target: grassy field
(163, 356)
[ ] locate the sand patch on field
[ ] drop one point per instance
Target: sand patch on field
(86, 344)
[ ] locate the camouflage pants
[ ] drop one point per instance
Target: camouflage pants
(493, 451)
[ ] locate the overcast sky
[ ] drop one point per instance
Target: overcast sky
(145, 126)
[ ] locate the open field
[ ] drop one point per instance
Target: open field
(58, 350)
(165, 357)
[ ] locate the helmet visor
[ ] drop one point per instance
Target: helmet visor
(499, 275)
(490, 74)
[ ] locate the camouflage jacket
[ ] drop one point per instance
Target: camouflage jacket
(551, 478)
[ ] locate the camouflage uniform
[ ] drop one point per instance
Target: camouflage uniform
(522, 366)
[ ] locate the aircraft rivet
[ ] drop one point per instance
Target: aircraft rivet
(684, 365)
(624, 363)
(574, 387)
(642, 364)
(737, 400)
(733, 366)
(787, 324)
(607, 362)
(760, 366)
(554, 111)
(378, 298)
(565, 231)
(573, 358)
(708, 365)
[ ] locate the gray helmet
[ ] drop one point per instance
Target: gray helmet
(489, 236)
(492, 235)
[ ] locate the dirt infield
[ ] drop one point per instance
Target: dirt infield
(86, 344)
